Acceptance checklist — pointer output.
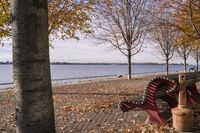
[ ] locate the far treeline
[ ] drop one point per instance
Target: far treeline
(68, 63)
(171, 26)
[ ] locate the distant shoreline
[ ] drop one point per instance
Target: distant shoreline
(56, 82)
(68, 63)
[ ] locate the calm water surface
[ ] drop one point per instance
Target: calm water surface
(74, 72)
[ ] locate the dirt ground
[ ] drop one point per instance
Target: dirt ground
(89, 107)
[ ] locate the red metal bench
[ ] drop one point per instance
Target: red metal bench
(166, 89)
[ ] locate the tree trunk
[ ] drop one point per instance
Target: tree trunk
(32, 81)
(185, 65)
(197, 61)
(129, 65)
(167, 66)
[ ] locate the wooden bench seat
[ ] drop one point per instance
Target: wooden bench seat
(166, 89)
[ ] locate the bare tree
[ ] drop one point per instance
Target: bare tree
(195, 53)
(164, 38)
(163, 35)
(184, 50)
(123, 24)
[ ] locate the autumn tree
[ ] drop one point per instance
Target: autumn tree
(193, 8)
(187, 21)
(187, 18)
(186, 13)
(123, 24)
(31, 67)
(67, 18)
(5, 27)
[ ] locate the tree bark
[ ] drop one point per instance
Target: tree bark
(167, 66)
(31, 68)
(129, 65)
(197, 64)
(185, 65)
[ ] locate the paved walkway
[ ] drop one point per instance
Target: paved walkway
(106, 120)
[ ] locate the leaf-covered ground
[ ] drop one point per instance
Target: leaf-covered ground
(91, 107)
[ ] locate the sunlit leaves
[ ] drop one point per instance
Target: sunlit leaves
(188, 18)
(5, 28)
(67, 18)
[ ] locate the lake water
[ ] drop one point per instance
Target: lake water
(81, 72)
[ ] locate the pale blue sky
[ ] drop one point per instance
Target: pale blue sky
(85, 51)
